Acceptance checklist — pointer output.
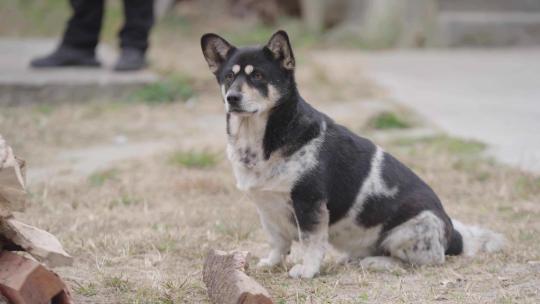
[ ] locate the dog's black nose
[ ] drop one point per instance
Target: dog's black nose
(234, 98)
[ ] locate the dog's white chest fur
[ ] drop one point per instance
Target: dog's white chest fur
(255, 173)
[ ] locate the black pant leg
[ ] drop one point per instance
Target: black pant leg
(84, 26)
(139, 20)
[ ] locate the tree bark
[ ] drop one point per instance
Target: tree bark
(39, 243)
(12, 181)
(226, 280)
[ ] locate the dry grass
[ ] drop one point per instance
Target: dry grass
(139, 228)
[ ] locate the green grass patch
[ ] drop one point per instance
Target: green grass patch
(526, 185)
(445, 143)
(100, 177)
(117, 283)
(124, 200)
(44, 109)
(87, 290)
(387, 121)
(194, 159)
(172, 88)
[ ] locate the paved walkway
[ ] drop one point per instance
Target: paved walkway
(489, 95)
(20, 84)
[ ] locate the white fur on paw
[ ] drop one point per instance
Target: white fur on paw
(301, 271)
(266, 263)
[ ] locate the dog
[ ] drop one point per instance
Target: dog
(316, 182)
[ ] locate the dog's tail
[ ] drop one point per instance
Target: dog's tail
(469, 240)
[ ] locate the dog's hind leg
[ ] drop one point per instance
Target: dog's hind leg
(419, 241)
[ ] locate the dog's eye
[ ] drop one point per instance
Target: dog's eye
(257, 76)
(229, 77)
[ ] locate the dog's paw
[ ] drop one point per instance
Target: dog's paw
(267, 263)
(302, 271)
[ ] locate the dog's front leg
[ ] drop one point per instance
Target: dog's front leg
(312, 220)
(274, 213)
(280, 245)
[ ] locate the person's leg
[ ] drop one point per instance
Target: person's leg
(139, 20)
(83, 28)
(134, 34)
(80, 39)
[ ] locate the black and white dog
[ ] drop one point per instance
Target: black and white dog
(315, 181)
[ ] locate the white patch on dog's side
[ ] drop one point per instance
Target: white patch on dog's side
(477, 239)
(314, 247)
(419, 241)
(357, 241)
(347, 235)
(248, 69)
(374, 183)
(236, 69)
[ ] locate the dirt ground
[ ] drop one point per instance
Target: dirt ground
(138, 193)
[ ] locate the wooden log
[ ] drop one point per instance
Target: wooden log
(39, 243)
(24, 281)
(13, 195)
(226, 280)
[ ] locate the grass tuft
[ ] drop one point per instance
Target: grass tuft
(388, 120)
(117, 283)
(88, 290)
(194, 159)
(100, 177)
(124, 200)
(445, 143)
(173, 88)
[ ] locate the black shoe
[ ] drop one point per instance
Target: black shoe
(130, 59)
(66, 56)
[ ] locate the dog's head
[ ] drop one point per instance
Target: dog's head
(252, 79)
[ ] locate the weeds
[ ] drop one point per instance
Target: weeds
(388, 120)
(117, 283)
(99, 178)
(194, 159)
(88, 290)
(172, 88)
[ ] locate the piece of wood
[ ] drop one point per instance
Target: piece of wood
(226, 280)
(24, 281)
(13, 196)
(39, 243)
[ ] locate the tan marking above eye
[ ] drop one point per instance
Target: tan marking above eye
(248, 69)
(236, 68)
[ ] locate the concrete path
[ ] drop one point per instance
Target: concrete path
(20, 84)
(489, 95)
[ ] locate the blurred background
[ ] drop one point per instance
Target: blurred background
(128, 168)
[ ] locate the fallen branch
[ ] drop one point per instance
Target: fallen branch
(226, 280)
(24, 281)
(39, 243)
(12, 181)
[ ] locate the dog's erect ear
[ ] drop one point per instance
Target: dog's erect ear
(215, 50)
(280, 47)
